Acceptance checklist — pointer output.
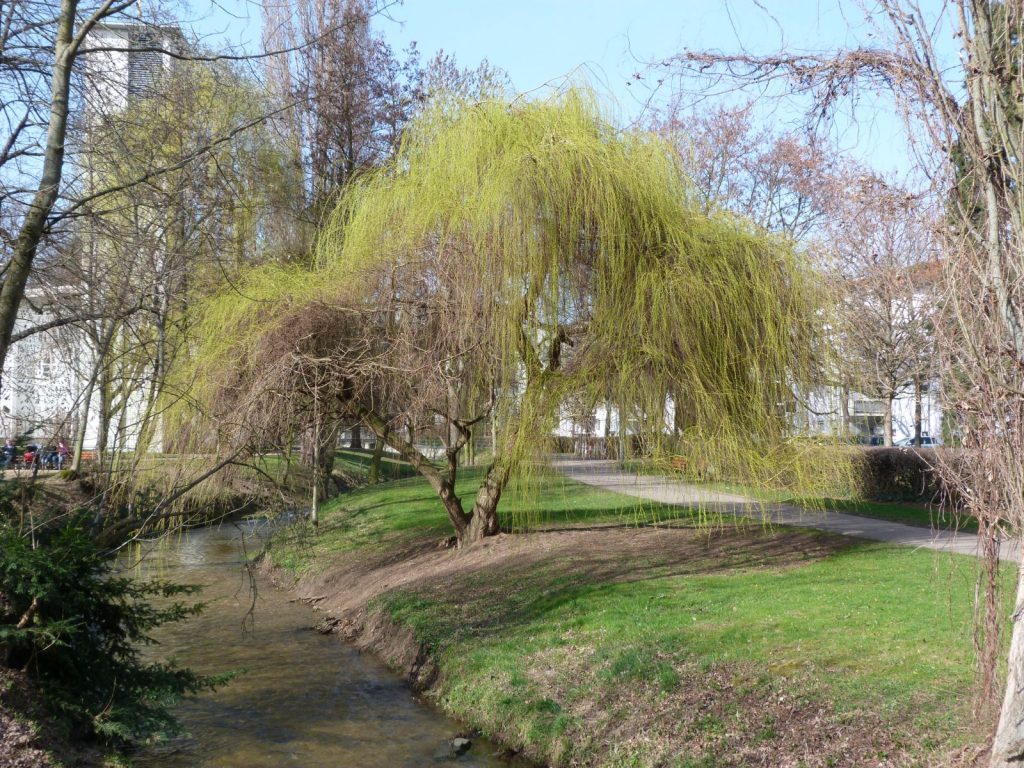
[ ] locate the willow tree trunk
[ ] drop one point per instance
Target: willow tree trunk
(356, 443)
(378, 455)
(1008, 746)
(484, 521)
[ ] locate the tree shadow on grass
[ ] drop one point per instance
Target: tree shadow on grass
(517, 591)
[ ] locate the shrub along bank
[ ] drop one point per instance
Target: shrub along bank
(624, 634)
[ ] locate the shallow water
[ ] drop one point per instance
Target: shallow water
(304, 699)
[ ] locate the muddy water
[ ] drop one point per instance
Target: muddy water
(304, 699)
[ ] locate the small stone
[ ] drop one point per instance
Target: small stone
(460, 746)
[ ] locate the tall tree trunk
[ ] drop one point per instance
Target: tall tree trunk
(356, 443)
(317, 452)
(918, 397)
(844, 409)
(34, 224)
(887, 437)
(103, 386)
(314, 506)
(375, 462)
(1008, 746)
(76, 459)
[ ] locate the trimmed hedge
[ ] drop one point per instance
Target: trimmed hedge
(901, 474)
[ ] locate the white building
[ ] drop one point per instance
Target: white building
(45, 382)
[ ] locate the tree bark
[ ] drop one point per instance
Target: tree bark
(484, 521)
(444, 486)
(378, 454)
(356, 443)
(1008, 745)
(34, 224)
(76, 460)
(918, 396)
(887, 437)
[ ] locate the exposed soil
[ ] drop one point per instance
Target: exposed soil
(599, 554)
(726, 713)
(27, 740)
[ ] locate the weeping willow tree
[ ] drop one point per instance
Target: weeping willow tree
(515, 255)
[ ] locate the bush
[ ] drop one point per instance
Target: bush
(900, 474)
(78, 630)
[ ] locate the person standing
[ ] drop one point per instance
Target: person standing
(63, 453)
(10, 450)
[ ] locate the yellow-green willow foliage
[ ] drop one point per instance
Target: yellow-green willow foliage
(519, 254)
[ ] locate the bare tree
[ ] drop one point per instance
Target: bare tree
(883, 256)
(39, 47)
(966, 123)
(780, 181)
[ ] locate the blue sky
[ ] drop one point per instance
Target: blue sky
(606, 42)
(609, 41)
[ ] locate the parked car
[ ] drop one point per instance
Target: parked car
(927, 441)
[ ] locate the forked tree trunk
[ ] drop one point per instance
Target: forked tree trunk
(1008, 745)
(484, 521)
(469, 528)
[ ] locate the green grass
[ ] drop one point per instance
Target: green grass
(916, 514)
(398, 513)
(704, 645)
(358, 463)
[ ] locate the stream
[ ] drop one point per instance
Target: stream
(303, 698)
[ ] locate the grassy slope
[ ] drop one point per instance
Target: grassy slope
(552, 658)
(358, 463)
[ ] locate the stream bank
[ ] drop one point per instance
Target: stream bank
(623, 633)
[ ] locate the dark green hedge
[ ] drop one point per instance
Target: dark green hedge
(901, 474)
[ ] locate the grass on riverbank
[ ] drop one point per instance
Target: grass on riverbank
(621, 646)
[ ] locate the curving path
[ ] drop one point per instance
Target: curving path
(607, 474)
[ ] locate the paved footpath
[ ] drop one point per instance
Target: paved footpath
(608, 475)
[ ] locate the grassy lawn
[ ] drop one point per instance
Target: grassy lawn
(683, 646)
(358, 463)
(402, 512)
(921, 515)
